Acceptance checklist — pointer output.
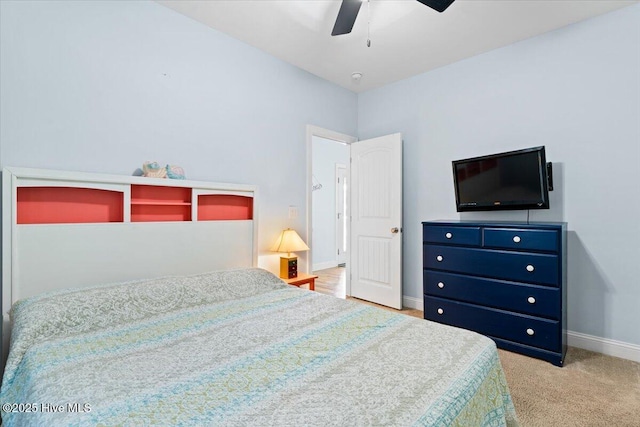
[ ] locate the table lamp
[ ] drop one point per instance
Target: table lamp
(289, 241)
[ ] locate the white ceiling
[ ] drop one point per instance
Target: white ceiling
(407, 37)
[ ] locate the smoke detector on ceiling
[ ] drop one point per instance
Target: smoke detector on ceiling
(356, 76)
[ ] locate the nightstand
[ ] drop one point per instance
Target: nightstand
(303, 279)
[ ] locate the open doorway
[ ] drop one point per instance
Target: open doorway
(373, 270)
(328, 209)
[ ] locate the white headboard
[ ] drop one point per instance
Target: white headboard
(71, 229)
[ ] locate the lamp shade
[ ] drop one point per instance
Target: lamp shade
(289, 241)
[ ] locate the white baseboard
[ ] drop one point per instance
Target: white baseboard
(604, 345)
(324, 265)
(412, 302)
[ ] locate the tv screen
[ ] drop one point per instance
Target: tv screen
(511, 180)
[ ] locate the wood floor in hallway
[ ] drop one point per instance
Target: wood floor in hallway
(332, 281)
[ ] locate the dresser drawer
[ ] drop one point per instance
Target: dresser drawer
(521, 239)
(532, 331)
(529, 299)
(517, 266)
(469, 236)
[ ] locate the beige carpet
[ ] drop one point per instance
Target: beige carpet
(590, 390)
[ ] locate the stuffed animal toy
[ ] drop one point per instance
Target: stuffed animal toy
(154, 170)
(175, 172)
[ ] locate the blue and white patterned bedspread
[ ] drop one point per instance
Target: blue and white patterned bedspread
(239, 348)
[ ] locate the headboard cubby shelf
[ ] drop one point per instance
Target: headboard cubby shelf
(74, 229)
(218, 207)
(61, 205)
(160, 203)
(73, 204)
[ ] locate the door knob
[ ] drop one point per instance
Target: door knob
(394, 230)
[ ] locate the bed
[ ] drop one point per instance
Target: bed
(215, 342)
(240, 347)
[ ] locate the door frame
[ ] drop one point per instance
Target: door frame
(346, 204)
(312, 131)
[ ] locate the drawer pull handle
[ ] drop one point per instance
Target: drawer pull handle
(530, 268)
(448, 235)
(516, 239)
(530, 332)
(440, 285)
(439, 258)
(440, 311)
(531, 300)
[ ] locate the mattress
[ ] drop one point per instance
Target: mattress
(237, 348)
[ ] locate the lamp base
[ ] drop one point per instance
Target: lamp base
(288, 267)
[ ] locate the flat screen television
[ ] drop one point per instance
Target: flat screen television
(502, 181)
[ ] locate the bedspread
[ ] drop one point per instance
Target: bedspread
(241, 348)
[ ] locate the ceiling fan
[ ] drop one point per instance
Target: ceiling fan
(349, 11)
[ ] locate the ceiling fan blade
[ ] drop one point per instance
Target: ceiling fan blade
(346, 17)
(439, 5)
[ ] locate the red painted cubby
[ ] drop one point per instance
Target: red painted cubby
(158, 203)
(220, 207)
(62, 205)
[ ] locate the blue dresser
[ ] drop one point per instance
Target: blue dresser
(505, 280)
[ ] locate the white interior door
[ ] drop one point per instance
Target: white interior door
(341, 214)
(376, 220)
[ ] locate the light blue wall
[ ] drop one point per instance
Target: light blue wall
(576, 91)
(104, 86)
(325, 155)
